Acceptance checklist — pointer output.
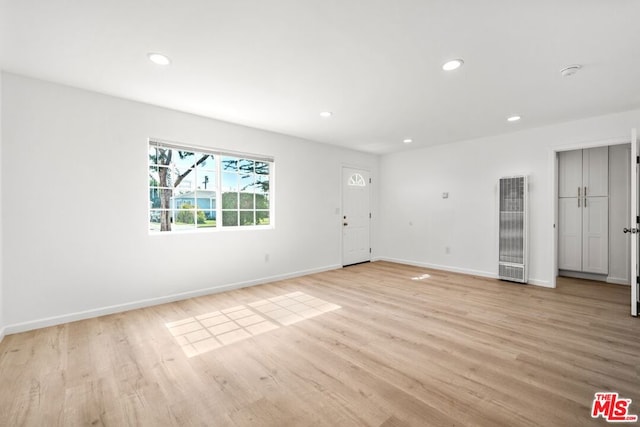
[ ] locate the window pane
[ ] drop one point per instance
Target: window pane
(246, 218)
(160, 197)
(206, 218)
(160, 176)
(229, 218)
(183, 216)
(247, 183)
(209, 163)
(188, 182)
(206, 180)
(262, 168)
(182, 203)
(201, 218)
(229, 181)
(230, 200)
(213, 201)
(205, 199)
(161, 156)
(245, 165)
(153, 155)
(262, 217)
(246, 201)
(262, 184)
(154, 197)
(183, 160)
(262, 201)
(229, 164)
(154, 219)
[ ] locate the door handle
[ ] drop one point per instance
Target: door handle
(630, 230)
(578, 196)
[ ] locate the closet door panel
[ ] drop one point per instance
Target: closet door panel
(569, 173)
(569, 234)
(595, 245)
(595, 171)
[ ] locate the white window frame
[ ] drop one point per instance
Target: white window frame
(217, 154)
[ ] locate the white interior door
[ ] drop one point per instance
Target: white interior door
(633, 227)
(595, 172)
(570, 173)
(356, 216)
(595, 235)
(570, 233)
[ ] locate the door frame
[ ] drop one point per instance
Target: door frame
(635, 180)
(344, 166)
(553, 167)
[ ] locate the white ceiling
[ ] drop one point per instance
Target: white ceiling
(376, 64)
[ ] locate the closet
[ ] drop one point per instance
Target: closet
(583, 210)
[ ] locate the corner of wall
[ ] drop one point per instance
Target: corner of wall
(2, 327)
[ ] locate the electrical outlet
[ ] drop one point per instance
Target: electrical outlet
(266, 257)
(447, 250)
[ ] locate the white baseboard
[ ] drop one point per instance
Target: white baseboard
(582, 275)
(618, 281)
(102, 311)
(542, 283)
(440, 267)
(468, 271)
(2, 332)
(596, 277)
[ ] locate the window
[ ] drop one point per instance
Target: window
(356, 180)
(194, 189)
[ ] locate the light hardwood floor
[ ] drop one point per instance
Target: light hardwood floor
(364, 345)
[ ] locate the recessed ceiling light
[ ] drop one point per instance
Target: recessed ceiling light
(454, 64)
(570, 70)
(326, 114)
(158, 58)
(514, 118)
(407, 141)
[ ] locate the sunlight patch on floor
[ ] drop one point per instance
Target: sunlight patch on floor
(422, 277)
(206, 332)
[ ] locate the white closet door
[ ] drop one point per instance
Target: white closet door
(595, 244)
(569, 173)
(570, 234)
(595, 172)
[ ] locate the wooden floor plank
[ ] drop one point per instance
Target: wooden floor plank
(378, 344)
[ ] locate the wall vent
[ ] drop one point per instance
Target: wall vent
(512, 263)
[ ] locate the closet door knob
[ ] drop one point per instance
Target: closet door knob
(630, 230)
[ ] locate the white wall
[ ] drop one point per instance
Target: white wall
(417, 224)
(75, 206)
(1, 239)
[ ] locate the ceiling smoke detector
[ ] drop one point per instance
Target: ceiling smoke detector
(570, 70)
